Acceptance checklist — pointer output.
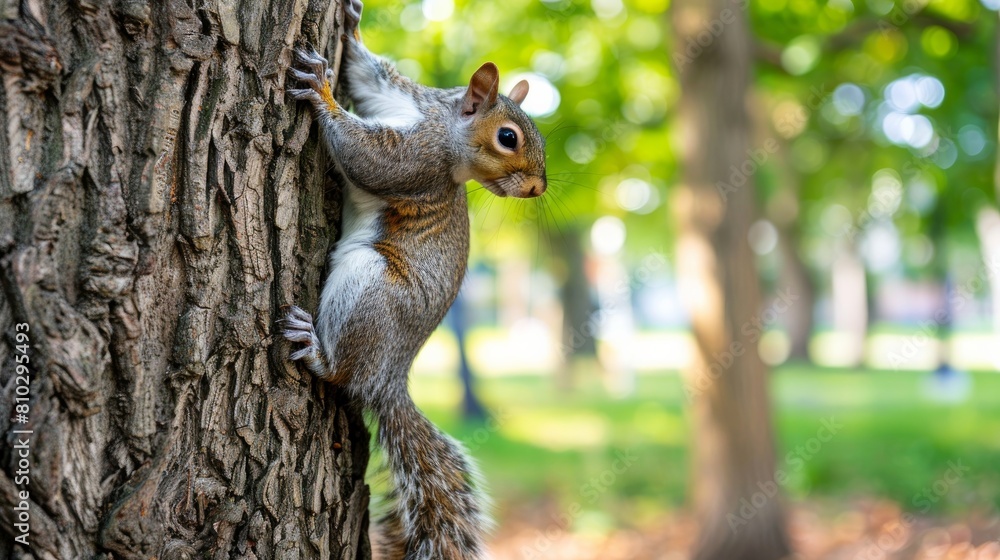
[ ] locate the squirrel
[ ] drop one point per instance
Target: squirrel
(406, 153)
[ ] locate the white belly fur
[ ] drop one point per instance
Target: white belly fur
(377, 101)
(390, 107)
(354, 263)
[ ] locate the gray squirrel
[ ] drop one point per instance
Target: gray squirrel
(406, 153)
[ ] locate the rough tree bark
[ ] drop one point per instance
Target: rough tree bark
(160, 201)
(733, 445)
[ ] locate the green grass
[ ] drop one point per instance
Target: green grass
(546, 445)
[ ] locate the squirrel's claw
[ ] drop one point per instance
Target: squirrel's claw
(302, 353)
(317, 77)
(309, 55)
(352, 14)
(311, 79)
(305, 94)
(297, 327)
(316, 63)
(298, 318)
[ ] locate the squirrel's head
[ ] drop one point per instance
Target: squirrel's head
(507, 152)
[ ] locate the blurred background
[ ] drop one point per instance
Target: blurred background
(756, 313)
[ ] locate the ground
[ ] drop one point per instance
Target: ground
(874, 464)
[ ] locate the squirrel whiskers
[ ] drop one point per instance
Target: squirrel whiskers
(406, 153)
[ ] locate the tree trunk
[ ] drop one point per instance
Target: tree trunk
(988, 228)
(996, 78)
(472, 407)
(735, 496)
(988, 222)
(579, 321)
(784, 212)
(160, 201)
(795, 278)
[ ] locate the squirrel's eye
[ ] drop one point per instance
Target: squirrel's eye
(507, 138)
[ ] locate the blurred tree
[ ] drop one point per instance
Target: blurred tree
(733, 441)
(988, 219)
(783, 209)
(886, 115)
(996, 80)
(160, 201)
(578, 305)
(472, 408)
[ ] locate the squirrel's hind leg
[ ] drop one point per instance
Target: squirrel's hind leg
(298, 327)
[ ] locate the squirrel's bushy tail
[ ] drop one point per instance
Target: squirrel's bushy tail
(436, 509)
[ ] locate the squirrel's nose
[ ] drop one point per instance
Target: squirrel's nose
(536, 187)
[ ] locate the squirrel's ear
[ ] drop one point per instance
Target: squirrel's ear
(519, 92)
(482, 92)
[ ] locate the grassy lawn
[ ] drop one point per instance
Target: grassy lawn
(892, 441)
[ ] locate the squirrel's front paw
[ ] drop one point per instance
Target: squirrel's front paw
(298, 327)
(317, 78)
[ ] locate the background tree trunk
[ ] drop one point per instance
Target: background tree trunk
(784, 212)
(733, 441)
(795, 278)
(160, 201)
(575, 292)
